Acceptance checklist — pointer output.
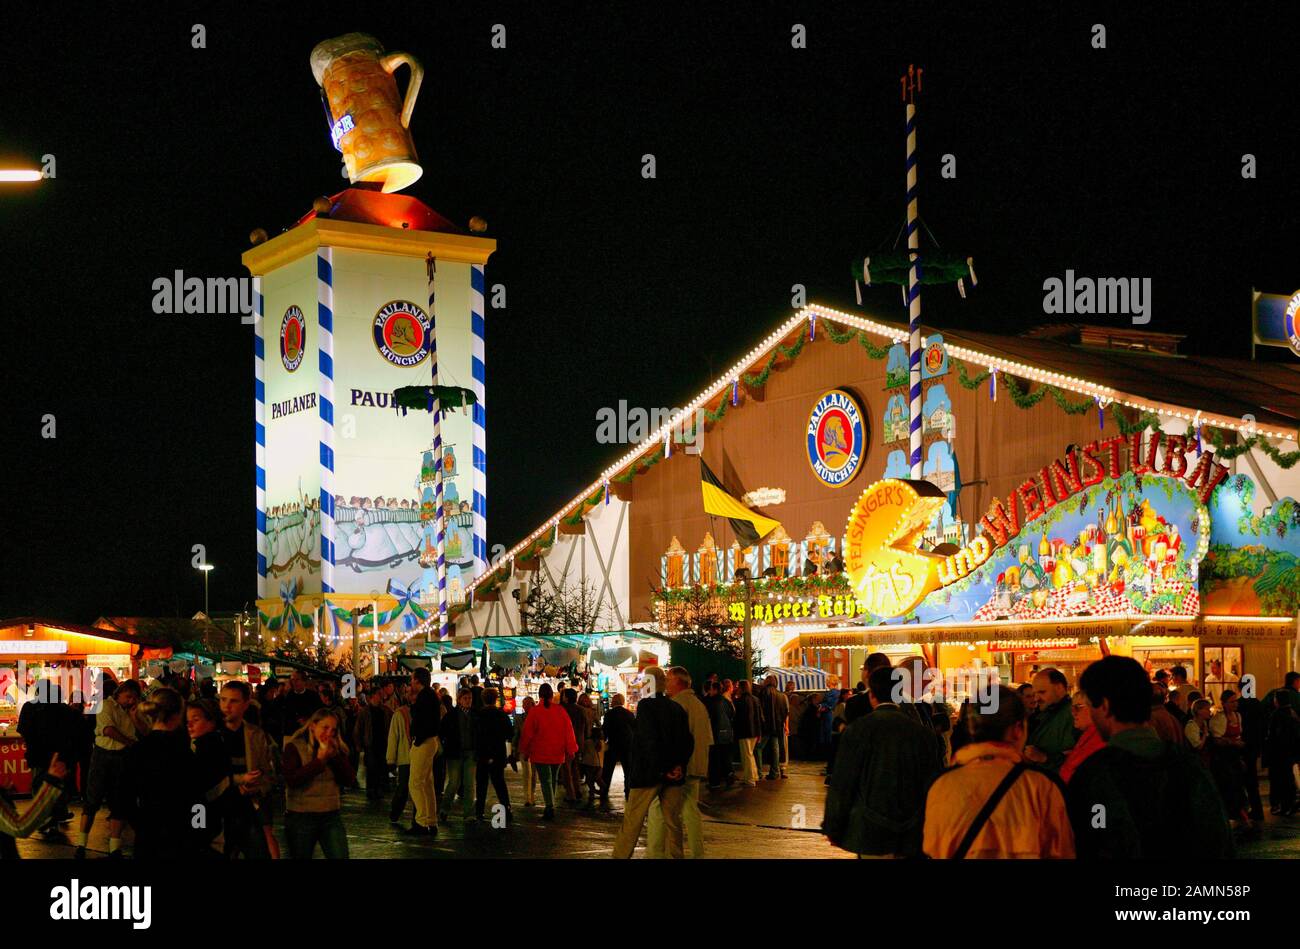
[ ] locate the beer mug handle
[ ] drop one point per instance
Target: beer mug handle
(390, 64)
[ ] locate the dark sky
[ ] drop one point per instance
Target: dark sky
(775, 166)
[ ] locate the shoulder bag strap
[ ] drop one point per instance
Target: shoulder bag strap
(987, 810)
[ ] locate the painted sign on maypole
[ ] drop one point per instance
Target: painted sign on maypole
(440, 521)
(911, 86)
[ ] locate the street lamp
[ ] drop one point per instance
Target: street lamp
(207, 569)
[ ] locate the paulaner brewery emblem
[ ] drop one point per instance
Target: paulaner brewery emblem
(836, 438)
(1292, 330)
(293, 336)
(402, 333)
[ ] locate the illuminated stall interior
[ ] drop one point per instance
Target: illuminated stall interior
(45, 648)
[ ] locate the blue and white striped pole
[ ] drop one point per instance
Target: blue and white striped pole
(912, 85)
(440, 529)
(259, 429)
(325, 362)
(478, 328)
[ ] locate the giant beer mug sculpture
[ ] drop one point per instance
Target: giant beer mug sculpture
(367, 123)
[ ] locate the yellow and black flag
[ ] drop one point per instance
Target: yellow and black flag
(749, 525)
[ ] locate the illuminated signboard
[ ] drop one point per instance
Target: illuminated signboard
(836, 438)
(1292, 335)
(1131, 559)
(887, 572)
(32, 647)
(819, 607)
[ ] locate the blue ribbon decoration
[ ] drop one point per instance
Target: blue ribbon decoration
(407, 607)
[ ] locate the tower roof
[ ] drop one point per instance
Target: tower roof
(365, 206)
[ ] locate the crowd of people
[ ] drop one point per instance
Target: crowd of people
(201, 771)
(1122, 766)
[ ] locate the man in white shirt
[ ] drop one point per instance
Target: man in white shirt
(114, 733)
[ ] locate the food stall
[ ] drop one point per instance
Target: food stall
(33, 649)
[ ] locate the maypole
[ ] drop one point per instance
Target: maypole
(431, 268)
(911, 86)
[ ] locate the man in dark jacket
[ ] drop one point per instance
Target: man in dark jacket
(656, 769)
(721, 715)
(459, 734)
(1157, 799)
(494, 730)
(1052, 735)
(299, 703)
(885, 765)
(861, 703)
(48, 726)
(749, 728)
(617, 727)
(775, 709)
(1251, 710)
(426, 713)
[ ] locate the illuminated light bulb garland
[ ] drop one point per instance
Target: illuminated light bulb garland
(993, 364)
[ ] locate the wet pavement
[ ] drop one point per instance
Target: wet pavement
(775, 819)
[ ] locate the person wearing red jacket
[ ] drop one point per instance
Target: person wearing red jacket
(548, 742)
(1090, 740)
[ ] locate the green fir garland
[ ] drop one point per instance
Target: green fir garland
(790, 352)
(841, 336)
(1126, 428)
(966, 381)
(1020, 394)
(1224, 451)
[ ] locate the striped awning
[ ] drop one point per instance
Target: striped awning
(805, 678)
(544, 643)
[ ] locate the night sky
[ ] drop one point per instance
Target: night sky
(775, 166)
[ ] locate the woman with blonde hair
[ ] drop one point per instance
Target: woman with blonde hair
(159, 781)
(316, 768)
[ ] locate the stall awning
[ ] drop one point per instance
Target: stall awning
(1082, 629)
(194, 651)
(530, 644)
(805, 678)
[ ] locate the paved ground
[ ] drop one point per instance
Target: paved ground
(764, 821)
(775, 819)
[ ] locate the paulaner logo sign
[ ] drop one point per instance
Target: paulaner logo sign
(1292, 333)
(401, 332)
(836, 438)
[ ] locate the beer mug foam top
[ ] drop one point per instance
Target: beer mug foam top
(367, 123)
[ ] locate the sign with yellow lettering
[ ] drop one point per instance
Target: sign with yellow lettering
(826, 606)
(887, 572)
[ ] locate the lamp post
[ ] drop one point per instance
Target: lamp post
(357, 613)
(206, 568)
(748, 629)
(374, 608)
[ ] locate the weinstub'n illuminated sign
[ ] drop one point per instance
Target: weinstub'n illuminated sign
(891, 576)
